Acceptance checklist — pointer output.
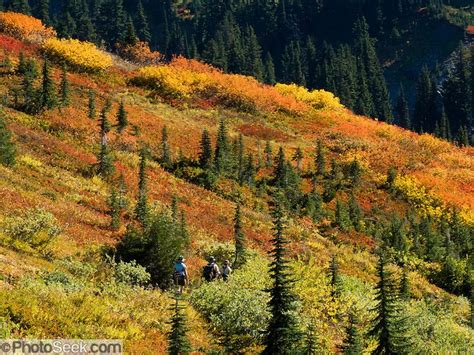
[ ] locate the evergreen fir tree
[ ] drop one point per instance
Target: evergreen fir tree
(178, 341)
(311, 346)
(314, 206)
(248, 176)
(165, 154)
(388, 325)
(402, 111)
(342, 218)
(30, 94)
(335, 277)
(355, 213)
(91, 105)
(105, 161)
(143, 29)
(21, 6)
(21, 69)
(141, 208)
(405, 292)
(239, 239)
(114, 209)
(64, 93)
(122, 117)
(355, 172)
(48, 94)
(282, 335)
(280, 171)
(320, 160)
(269, 75)
(205, 154)
(7, 147)
(130, 37)
(353, 343)
(268, 155)
(42, 11)
(221, 155)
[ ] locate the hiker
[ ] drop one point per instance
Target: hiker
(180, 274)
(226, 270)
(211, 270)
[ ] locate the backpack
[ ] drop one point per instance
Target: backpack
(209, 272)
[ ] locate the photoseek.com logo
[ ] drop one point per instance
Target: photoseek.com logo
(61, 346)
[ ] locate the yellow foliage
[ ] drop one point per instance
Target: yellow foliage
(24, 27)
(318, 99)
(80, 55)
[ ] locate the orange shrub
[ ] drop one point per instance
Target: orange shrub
(187, 79)
(24, 27)
(140, 53)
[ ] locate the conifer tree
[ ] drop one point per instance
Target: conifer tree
(130, 37)
(320, 159)
(122, 117)
(48, 94)
(353, 342)
(105, 161)
(268, 155)
(143, 29)
(7, 147)
(405, 292)
(141, 208)
(20, 6)
(21, 69)
(239, 239)
(114, 209)
(280, 171)
(342, 218)
(402, 111)
(335, 277)
(311, 346)
(178, 341)
(444, 126)
(314, 206)
(269, 74)
(221, 155)
(165, 154)
(388, 325)
(282, 335)
(42, 11)
(248, 176)
(64, 93)
(205, 154)
(355, 172)
(355, 213)
(30, 94)
(91, 104)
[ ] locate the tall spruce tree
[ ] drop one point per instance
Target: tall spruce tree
(401, 109)
(48, 92)
(29, 92)
(64, 92)
(20, 6)
(320, 159)
(388, 327)
(205, 153)
(178, 341)
(353, 342)
(336, 282)
(268, 155)
(143, 29)
(221, 155)
(239, 239)
(105, 164)
(91, 104)
(114, 209)
(141, 208)
(122, 117)
(282, 335)
(7, 147)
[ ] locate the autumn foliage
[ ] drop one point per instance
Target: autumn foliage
(140, 53)
(24, 27)
(318, 99)
(186, 79)
(82, 56)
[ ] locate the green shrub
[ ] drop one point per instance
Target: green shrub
(131, 274)
(237, 309)
(33, 228)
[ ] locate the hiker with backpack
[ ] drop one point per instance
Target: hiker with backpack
(211, 271)
(180, 275)
(226, 270)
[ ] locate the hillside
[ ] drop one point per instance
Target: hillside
(62, 280)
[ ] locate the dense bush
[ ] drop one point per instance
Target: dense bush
(131, 274)
(31, 228)
(318, 99)
(24, 27)
(237, 309)
(82, 56)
